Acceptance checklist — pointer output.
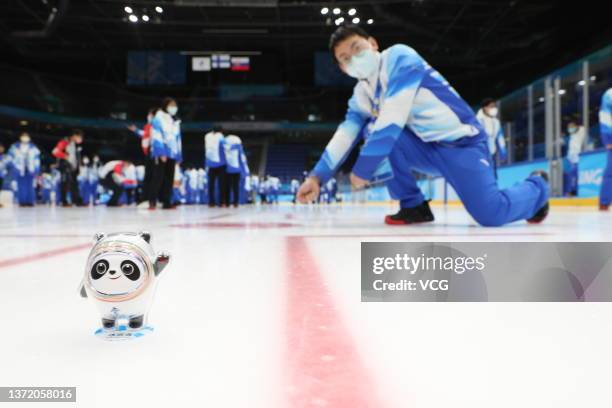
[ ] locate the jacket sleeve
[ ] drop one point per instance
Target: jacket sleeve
(244, 165)
(501, 142)
(10, 163)
(36, 160)
(158, 145)
(605, 118)
(60, 150)
(179, 145)
(406, 70)
(346, 137)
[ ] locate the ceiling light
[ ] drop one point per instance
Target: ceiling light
(324, 10)
(133, 18)
(356, 20)
(370, 21)
(159, 9)
(145, 18)
(128, 9)
(352, 12)
(337, 11)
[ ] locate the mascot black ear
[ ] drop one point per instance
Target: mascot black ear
(82, 291)
(161, 261)
(98, 236)
(146, 236)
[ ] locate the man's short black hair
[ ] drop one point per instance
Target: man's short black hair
(77, 132)
(167, 101)
(487, 102)
(342, 33)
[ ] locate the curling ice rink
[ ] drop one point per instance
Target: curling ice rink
(260, 307)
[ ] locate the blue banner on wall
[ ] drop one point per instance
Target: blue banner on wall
(156, 68)
(510, 175)
(590, 172)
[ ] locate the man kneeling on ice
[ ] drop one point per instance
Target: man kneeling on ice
(409, 115)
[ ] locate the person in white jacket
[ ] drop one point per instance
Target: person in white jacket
(576, 136)
(487, 115)
(25, 161)
(114, 178)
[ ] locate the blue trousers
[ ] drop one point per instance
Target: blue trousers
(466, 165)
(46, 195)
(25, 189)
(605, 196)
(570, 178)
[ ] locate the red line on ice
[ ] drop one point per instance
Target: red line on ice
(240, 225)
(409, 235)
(42, 255)
(324, 367)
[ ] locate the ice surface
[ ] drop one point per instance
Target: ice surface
(221, 314)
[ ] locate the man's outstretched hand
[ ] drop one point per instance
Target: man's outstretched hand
(309, 190)
(358, 183)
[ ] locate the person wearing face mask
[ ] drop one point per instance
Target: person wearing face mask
(166, 151)
(576, 135)
(605, 126)
(417, 122)
(145, 144)
(487, 116)
(25, 162)
(68, 153)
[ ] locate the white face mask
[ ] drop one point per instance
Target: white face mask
(364, 64)
(172, 110)
(86, 161)
(492, 112)
(572, 129)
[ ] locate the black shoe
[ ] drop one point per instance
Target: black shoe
(136, 322)
(542, 212)
(108, 323)
(414, 215)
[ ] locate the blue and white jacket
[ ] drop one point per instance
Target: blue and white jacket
(25, 158)
(214, 145)
(234, 156)
(405, 92)
(5, 161)
(495, 134)
(166, 137)
(605, 118)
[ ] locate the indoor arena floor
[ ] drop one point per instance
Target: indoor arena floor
(260, 307)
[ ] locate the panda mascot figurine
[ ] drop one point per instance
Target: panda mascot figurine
(121, 276)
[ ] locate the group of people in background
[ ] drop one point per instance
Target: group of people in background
(226, 180)
(161, 143)
(574, 141)
(227, 167)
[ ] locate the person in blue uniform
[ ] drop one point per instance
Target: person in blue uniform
(25, 162)
(605, 126)
(417, 122)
